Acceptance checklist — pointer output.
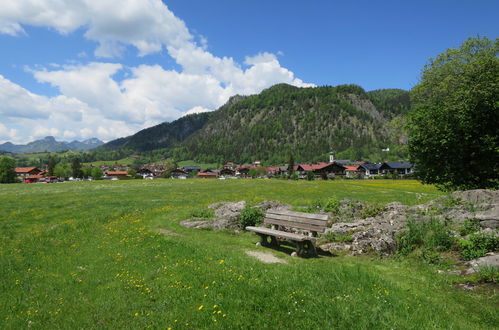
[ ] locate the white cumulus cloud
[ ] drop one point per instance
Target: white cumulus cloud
(93, 101)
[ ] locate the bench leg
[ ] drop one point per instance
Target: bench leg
(273, 241)
(306, 249)
(264, 241)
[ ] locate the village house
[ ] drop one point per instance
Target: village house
(227, 173)
(402, 168)
(146, 173)
(191, 169)
(353, 171)
(242, 171)
(323, 169)
(23, 172)
(370, 169)
(116, 175)
(208, 174)
(178, 173)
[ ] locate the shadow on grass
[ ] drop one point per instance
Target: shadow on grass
(288, 248)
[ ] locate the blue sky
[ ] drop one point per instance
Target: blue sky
(110, 68)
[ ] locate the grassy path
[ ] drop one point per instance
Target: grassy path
(87, 255)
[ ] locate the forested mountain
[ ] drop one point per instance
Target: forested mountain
(50, 144)
(283, 120)
(164, 135)
(305, 122)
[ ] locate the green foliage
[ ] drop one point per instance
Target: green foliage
(86, 172)
(204, 213)
(97, 173)
(250, 216)
(478, 245)
(52, 162)
(62, 170)
(293, 176)
(7, 172)
(164, 135)
(76, 171)
(454, 127)
(134, 174)
(166, 174)
(372, 210)
(430, 236)
(488, 274)
(332, 205)
(305, 122)
(252, 173)
(394, 102)
(310, 176)
(469, 226)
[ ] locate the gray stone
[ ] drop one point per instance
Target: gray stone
(272, 205)
(490, 260)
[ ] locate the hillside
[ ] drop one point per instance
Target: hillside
(164, 135)
(49, 144)
(307, 122)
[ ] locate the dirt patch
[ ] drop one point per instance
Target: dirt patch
(266, 257)
(167, 232)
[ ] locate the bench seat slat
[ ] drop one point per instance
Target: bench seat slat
(290, 224)
(300, 214)
(297, 220)
(281, 234)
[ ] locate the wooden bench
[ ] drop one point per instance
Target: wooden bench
(283, 222)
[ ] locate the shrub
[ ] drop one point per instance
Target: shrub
(488, 274)
(469, 226)
(372, 210)
(315, 206)
(250, 216)
(203, 213)
(293, 176)
(310, 176)
(431, 235)
(332, 205)
(478, 245)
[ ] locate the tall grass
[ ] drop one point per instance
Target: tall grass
(89, 255)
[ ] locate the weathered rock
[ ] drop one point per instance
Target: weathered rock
(226, 217)
(272, 205)
(335, 247)
(491, 260)
(202, 224)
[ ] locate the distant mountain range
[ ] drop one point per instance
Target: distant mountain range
(281, 121)
(49, 144)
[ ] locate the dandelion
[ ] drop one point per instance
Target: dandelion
(136, 314)
(200, 307)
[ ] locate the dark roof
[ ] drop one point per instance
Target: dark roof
(370, 166)
(397, 165)
(343, 161)
(192, 168)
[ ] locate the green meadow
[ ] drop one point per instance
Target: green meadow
(94, 255)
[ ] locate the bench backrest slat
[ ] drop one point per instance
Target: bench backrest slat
(299, 220)
(323, 217)
(296, 219)
(290, 224)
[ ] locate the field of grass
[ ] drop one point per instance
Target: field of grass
(89, 255)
